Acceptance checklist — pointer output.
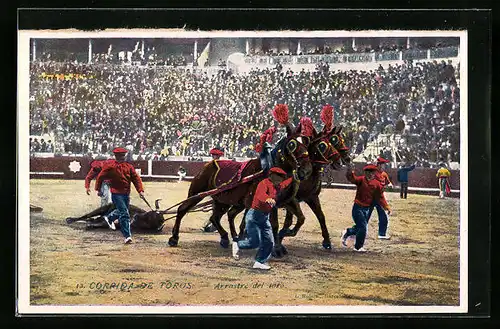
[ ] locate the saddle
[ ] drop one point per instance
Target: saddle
(228, 172)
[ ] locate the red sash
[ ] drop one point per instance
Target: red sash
(447, 186)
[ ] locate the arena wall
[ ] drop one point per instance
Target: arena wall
(358, 66)
(78, 167)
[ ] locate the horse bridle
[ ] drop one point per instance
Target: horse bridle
(291, 153)
(327, 141)
(324, 160)
(341, 140)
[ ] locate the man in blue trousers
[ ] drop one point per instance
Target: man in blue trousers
(383, 218)
(258, 227)
(403, 179)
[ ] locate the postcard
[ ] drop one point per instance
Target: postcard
(242, 172)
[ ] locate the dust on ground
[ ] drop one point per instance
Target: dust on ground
(70, 265)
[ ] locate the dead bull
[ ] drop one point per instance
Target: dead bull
(140, 219)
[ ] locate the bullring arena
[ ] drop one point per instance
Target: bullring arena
(171, 102)
(73, 266)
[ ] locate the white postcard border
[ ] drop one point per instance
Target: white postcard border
(23, 222)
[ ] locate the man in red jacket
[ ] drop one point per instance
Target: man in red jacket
(369, 190)
(121, 174)
(216, 153)
(258, 227)
(383, 219)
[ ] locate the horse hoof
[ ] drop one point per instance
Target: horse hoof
(285, 232)
(327, 245)
(277, 253)
(224, 243)
(209, 228)
(172, 242)
(284, 250)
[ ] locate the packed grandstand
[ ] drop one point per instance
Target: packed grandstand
(180, 109)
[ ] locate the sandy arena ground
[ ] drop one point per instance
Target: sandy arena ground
(74, 266)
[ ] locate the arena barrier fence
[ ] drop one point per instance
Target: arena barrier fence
(421, 180)
(395, 189)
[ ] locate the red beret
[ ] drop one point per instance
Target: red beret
(382, 160)
(370, 167)
(277, 170)
(119, 150)
(216, 152)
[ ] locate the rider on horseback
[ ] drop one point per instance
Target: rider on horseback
(266, 159)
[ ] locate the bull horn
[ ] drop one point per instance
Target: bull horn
(157, 204)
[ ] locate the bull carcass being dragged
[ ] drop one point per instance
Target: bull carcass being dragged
(140, 219)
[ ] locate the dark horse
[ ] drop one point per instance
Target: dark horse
(290, 154)
(325, 148)
(309, 190)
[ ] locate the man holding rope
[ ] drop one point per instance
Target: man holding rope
(258, 227)
(121, 174)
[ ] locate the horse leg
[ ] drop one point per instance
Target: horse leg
(208, 227)
(242, 233)
(315, 206)
(219, 210)
(278, 250)
(294, 207)
(231, 215)
(286, 225)
(101, 211)
(96, 223)
(181, 212)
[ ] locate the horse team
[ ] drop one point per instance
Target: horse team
(303, 151)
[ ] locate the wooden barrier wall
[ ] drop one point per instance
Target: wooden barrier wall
(78, 167)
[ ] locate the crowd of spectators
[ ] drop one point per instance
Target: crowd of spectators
(151, 58)
(419, 102)
(161, 111)
(41, 146)
(349, 48)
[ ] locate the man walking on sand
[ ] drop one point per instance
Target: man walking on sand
(121, 174)
(369, 190)
(383, 218)
(403, 179)
(258, 227)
